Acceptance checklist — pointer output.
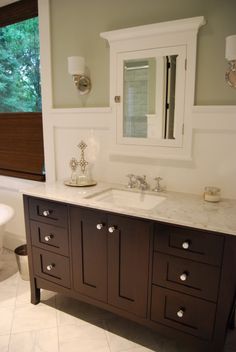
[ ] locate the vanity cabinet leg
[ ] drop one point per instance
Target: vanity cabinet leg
(35, 294)
(232, 317)
(232, 320)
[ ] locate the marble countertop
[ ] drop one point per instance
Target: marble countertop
(178, 208)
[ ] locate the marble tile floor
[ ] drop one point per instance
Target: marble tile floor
(60, 324)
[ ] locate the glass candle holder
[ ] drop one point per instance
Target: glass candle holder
(212, 194)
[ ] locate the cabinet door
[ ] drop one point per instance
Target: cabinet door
(89, 252)
(128, 253)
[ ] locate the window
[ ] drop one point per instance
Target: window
(21, 135)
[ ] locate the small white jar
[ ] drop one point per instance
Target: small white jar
(212, 194)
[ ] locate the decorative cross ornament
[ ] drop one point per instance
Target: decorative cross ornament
(82, 163)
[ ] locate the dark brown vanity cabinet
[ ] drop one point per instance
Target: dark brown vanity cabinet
(179, 281)
(192, 285)
(49, 242)
(186, 274)
(111, 258)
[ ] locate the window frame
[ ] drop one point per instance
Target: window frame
(21, 157)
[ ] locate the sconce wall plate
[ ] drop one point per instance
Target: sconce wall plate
(83, 84)
(230, 75)
(230, 55)
(76, 68)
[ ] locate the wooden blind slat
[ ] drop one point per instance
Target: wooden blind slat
(21, 143)
(18, 11)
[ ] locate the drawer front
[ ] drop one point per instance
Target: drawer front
(48, 212)
(188, 314)
(49, 237)
(187, 243)
(186, 276)
(52, 267)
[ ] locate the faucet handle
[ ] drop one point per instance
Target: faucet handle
(130, 175)
(131, 183)
(158, 187)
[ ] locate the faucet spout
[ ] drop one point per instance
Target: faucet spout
(143, 185)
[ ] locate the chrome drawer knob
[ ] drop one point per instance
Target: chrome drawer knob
(185, 245)
(46, 212)
(180, 313)
(111, 229)
(183, 277)
(50, 267)
(99, 226)
(48, 238)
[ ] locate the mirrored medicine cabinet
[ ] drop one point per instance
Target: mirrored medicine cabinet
(149, 97)
(152, 79)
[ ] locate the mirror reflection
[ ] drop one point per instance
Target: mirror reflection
(149, 97)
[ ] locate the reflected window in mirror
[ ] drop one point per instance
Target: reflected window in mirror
(149, 97)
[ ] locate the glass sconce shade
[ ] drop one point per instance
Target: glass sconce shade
(76, 65)
(76, 68)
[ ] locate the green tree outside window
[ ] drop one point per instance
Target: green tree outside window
(19, 67)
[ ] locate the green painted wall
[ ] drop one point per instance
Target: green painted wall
(75, 28)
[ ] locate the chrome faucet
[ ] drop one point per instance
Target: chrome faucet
(142, 183)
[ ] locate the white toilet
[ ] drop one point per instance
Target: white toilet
(6, 213)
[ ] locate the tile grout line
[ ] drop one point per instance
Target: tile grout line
(57, 318)
(14, 310)
(8, 252)
(105, 328)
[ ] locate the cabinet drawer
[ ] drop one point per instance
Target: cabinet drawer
(52, 267)
(48, 212)
(184, 275)
(182, 312)
(49, 237)
(187, 243)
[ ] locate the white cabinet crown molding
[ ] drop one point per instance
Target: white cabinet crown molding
(187, 24)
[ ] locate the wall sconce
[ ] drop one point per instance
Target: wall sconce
(230, 55)
(76, 68)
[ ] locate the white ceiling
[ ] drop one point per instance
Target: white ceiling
(6, 2)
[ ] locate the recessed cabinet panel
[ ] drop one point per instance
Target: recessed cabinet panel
(89, 250)
(183, 312)
(50, 237)
(186, 276)
(128, 263)
(188, 243)
(52, 267)
(48, 212)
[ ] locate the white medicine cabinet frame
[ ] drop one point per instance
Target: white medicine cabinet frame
(159, 89)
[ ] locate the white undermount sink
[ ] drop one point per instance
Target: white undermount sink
(127, 198)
